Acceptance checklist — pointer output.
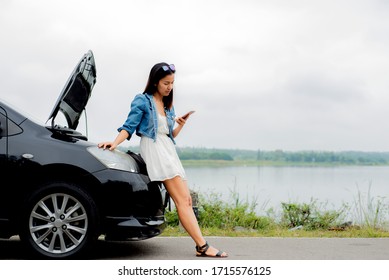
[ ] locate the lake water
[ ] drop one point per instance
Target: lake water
(268, 187)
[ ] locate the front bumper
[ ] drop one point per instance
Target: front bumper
(133, 228)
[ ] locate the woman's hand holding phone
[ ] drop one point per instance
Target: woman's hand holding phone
(181, 120)
(187, 115)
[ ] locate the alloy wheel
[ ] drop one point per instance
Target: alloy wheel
(58, 223)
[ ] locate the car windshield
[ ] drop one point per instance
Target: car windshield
(23, 112)
(60, 120)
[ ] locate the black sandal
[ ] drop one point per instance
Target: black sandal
(201, 252)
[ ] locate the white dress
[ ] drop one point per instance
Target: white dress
(161, 157)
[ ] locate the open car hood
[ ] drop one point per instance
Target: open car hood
(76, 92)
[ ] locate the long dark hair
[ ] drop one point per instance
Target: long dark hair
(158, 72)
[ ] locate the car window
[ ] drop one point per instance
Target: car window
(2, 124)
(9, 126)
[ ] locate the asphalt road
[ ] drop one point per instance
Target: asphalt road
(239, 248)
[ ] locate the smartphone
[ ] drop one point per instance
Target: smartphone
(187, 115)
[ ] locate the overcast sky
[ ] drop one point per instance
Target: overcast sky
(283, 74)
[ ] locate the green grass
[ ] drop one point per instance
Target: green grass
(282, 232)
(239, 219)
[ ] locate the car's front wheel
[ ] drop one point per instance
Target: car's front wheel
(60, 221)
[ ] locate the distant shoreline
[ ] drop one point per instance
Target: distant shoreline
(235, 157)
(242, 163)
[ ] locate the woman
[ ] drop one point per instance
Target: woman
(152, 117)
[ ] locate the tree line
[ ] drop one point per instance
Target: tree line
(312, 157)
(342, 157)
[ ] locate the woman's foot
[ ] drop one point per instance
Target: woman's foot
(209, 251)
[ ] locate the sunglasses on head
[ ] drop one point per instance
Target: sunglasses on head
(169, 67)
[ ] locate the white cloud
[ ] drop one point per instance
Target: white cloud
(260, 74)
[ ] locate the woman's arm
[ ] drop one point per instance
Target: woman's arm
(181, 122)
(128, 128)
(123, 135)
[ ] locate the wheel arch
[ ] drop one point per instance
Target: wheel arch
(32, 181)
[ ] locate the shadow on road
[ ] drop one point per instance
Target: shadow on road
(14, 249)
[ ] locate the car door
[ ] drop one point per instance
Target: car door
(8, 164)
(3, 159)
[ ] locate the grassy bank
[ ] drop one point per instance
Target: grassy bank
(239, 219)
(281, 232)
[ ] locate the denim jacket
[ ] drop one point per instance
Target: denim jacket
(143, 118)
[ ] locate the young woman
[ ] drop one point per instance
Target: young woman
(152, 117)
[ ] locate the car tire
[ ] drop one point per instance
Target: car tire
(60, 221)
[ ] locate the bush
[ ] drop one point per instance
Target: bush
(308, 216)
(172, 218)
(214, 213)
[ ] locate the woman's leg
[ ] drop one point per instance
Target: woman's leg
(179, 192)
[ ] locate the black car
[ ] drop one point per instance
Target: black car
(59, 192)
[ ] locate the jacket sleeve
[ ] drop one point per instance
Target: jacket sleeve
(135, 115)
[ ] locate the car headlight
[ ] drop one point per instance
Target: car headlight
(115, 159)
